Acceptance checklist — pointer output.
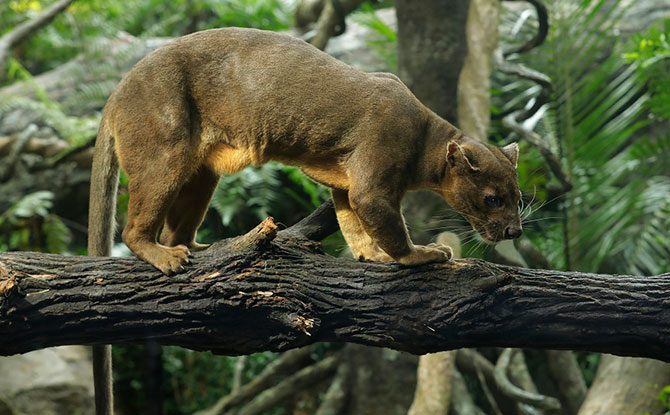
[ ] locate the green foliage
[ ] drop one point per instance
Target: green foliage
(652, 51)
(87, 20)
(253, 190)
(29, 225)
(614, 217)
(384, 40)
(75, 130)
(17, 72)
(588, 362)
(253, 194)
(664, 396)
(195, 380)
(261, 14)
(192, 380)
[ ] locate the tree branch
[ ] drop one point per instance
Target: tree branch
(331, 21)
(25, 29)
(566, 373)
(542, 29)
(462, 403)
(287, 362)
(337, 393)
(288, 387)
(516, 393)
(16, 151)
(269, 291)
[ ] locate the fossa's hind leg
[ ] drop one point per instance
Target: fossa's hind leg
(360, 243)
(156, 176)
(188, 210)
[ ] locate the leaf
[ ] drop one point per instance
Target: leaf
(33, 204)
(57, 235)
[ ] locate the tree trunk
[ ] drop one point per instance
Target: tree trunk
(433, 392)
(566, 373)
(474, 84)
(431, 51)
(258, 292)
(383, 381)
(625, 385)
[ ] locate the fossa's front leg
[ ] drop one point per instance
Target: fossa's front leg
(376, 231)
(381, 219)
(361, 245)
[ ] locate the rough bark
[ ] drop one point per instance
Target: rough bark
(257, 292)
(626, 386)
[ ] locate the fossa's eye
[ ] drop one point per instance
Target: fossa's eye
(493, 201)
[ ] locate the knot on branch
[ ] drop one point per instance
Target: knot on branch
(304, 324)
(8, 284)
(257, 238)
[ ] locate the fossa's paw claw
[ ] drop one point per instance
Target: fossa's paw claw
(445, 248)
(171, 260)
(422, 254)
(195, 247)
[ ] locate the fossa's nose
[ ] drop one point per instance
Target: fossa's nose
(512, 232)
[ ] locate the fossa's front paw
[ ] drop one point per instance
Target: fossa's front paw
(422, 254)
(169, 260)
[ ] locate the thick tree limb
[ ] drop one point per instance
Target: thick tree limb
(25, 29)
(258, 292)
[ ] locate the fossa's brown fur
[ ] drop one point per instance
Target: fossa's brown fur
(217, 101)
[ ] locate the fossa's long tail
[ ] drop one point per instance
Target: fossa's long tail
(101, 226)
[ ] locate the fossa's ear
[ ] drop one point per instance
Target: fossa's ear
(456, 155)
(511, 151)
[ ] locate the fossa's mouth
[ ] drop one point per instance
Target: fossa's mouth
(487, 235)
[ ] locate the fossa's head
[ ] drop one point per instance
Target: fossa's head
(481, 183)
